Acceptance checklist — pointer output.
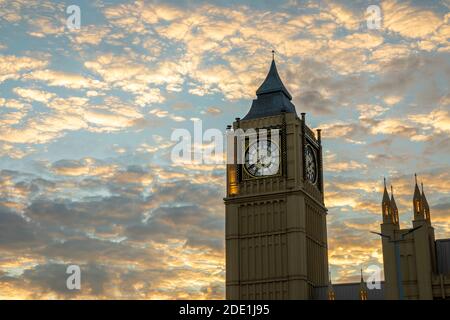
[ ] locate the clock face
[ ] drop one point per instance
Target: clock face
(311, 164)
(262, 158)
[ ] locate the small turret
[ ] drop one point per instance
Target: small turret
(386, 205)
(331, 293)
(417, 202)
(394, 209)
(426, 207)
(362, 288)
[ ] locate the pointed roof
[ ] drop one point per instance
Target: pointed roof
(331, 293)
(393, 204)
(385, 193)
(424, 200)
(362, 288)
(272, 97)
(273, 83)
(417, 195)
(394, 209)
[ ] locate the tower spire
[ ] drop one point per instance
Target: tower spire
(394, 209)
(386, 204)
(273, 83)
(362, 288)
(417, 202)
(426, 207)
(272, 96)
(331, 294)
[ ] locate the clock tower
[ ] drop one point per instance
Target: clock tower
(276, 236)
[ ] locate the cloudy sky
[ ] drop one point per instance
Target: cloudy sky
(86, 118)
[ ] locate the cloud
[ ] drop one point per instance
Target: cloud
(63, 79)
(137, 78)
(394, 127)
(412, 76)
(137, 224)
(34, 94)
(86, 166)
(15, 232)
(345, 166)
(408, 20)
(438, 120)
(90, 35)
(344, 16)
(44, 26)
(214, 111)
(13, 66)
(131, 227)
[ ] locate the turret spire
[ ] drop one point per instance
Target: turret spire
(362, 288)
(417, 202)
(331, 294)
(426, 207)
(394, 209)
(386, 204)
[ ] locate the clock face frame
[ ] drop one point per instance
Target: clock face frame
(310, 164)
(263, 165)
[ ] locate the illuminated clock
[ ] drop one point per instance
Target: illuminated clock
(262, 159)
(310, 164)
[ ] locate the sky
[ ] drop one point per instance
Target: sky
(86, 117)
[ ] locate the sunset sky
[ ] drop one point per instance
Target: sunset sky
(86, 118)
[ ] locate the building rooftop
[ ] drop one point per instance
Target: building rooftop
(272, 97)
(348, 291)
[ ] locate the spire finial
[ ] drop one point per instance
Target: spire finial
(392, 190)
(362, 279)
(384, 179)
(273, 54)
(415, 177)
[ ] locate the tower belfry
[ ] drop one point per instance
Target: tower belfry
(276, 237)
